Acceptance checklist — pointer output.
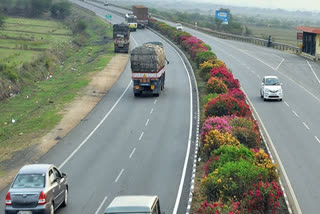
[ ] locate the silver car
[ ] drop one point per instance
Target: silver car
(37, 189)
(271, 88)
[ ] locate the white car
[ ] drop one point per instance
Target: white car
(271, 88)
(106, 3)
(179, 26)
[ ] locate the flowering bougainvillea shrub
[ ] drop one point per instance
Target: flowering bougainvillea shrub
(237, 93)
(218, 123)
(219, 208)
(216, 85)
(214, 139)
(225, 104)
(205, 56)
(263, 160)
(223, 73)
(231, 181)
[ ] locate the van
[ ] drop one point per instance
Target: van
(134, 204)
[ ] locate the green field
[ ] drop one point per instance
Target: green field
(22, 40)
(286, 36)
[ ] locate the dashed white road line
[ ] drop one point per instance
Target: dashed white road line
(279, 64)
(317, 139)
(100, 206)
(295, 113)
(132, 153)
(119, 176)
(142, 133)
(151, 111)
(313, 71)
(306, 125)
(286, 103)
(147, 122)
(155, 101)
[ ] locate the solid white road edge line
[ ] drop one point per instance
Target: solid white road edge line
(132, 153)
(283, 171)
(119, 176)
(313, 71)
(102, 203)
(95, 129)
(176, 205)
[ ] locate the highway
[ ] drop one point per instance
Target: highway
(129, 145)
(294, 123)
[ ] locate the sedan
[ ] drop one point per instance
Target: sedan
(179, 27)
(37, 189)
(271, 88)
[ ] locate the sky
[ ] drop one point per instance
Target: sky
(310, 5)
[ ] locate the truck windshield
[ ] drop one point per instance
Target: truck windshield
(131, 20)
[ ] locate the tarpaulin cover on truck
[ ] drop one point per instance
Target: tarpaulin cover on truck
(150, 57)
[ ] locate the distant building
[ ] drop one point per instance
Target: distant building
(310, 41)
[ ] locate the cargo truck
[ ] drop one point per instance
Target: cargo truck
(121, 38)
(148, 68)
(141, 12)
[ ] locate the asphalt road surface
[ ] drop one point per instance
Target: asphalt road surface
(129, 145)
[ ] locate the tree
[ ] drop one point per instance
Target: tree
(60, 10)
(2, 20)
(39, 6)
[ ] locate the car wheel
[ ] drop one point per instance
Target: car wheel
(51, 209)
(280, 99)
(264, 99)
(65, 202)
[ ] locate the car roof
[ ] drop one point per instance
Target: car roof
(133, 203)
(35, 168)
(270, 77)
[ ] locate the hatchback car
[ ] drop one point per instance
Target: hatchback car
(179, 26)
(37, 189)
(271, 88)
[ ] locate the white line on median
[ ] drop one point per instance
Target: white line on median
(317, 139)
(132, 153)
(102, 203)
(313, 71)
(119, 176)
(141, 136)
(306, 125)
(295, 113)
(147, 122)
(95, 129)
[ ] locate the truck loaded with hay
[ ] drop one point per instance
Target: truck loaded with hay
(148, 68)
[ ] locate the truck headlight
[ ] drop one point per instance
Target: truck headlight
(137, 87)
(152, 87)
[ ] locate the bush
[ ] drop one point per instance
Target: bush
(60, 10)
(248, 137)
(219, 207)
(215, 85)
(231, 181)
(263, 160)
(12, 75)
(262, 198)
(205, 68)
(80, 27)
(214, 139)
(238, 94)
(205, 56)
(227, 77)
(209, 97)
(214, 123)
(226, 154)
(225, 104)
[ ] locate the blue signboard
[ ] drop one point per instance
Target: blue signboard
(223, 16)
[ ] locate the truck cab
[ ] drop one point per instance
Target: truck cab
(134, 204)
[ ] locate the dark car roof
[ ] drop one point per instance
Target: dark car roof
(35, 168)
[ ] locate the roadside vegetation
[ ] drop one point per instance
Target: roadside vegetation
(47, 61)
(235, 174)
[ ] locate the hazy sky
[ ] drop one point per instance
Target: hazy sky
(311, 5)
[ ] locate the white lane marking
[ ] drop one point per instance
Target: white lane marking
(155, 101)
(147, 122)
(96, 128)
(286, 103)
(119, 176)
(279, 64)
(295, 113)
(102, 203)
(317, 139)
(176, 205)
(151, 111)
(306, 125)
(141, 136)
(132, 153)
(313, 71)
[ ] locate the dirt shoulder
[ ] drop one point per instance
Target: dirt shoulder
(73, 113)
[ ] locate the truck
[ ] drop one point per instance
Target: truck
(148, 68)
(131, 21)
(141, 12)
(134, 204)
(121, 38)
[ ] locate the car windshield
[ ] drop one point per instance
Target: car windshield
(272, 81)
(29, 181)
